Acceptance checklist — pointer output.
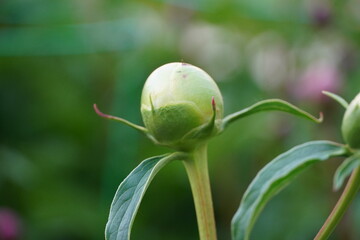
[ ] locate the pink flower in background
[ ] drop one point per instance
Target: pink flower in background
(321, 16)
(317, 78)
(9, 225)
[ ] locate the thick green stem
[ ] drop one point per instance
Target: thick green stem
(347, 196)
(197, 170)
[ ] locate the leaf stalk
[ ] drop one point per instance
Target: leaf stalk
(341, 206)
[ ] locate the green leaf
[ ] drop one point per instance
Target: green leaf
(337, 98)
(345, 169)
(274, 176)
(270, 105)
(129, 195)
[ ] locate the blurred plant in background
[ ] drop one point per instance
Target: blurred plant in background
(59, 57)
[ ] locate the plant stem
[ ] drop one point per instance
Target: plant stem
(343, 203)
(197, 169)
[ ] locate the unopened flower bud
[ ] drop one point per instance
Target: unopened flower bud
(178, 98)
(351, 123)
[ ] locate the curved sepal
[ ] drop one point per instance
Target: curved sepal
(270, 105)
(345, 169)
(336, 98)
(204, 130)
(129, 195)
(121, 120)
(274, 176)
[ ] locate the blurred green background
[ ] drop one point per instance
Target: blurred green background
(60, 163)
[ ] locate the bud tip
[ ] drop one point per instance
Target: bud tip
(98, 112)
(213, 103)
(321, 117)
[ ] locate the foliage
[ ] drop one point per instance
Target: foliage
(60, 164)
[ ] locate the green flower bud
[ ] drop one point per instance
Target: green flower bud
(177, 99)
(351, 123)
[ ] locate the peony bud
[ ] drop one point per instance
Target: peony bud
(177, 99)
(351, 123)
